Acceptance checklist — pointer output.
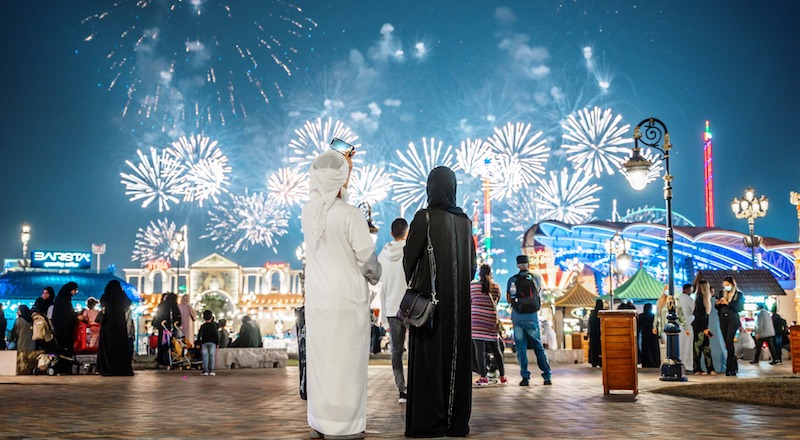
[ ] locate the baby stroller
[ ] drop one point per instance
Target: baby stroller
(45, 363)
(180, 356)
(45, 338)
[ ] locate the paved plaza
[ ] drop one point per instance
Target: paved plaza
(264, 404)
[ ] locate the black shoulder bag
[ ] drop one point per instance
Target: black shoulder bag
(417, 307)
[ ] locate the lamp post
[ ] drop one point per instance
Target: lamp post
(618, 261)
(750, 208)
(178, 244)
(25, 237)
(637, 168)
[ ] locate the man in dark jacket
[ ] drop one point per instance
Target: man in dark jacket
(781, 336)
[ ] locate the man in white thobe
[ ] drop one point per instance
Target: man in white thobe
(340, 261)
(686, 304)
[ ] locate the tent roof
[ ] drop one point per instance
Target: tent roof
(641, 285)
(577, 296)
(28, 285)
(750, 282)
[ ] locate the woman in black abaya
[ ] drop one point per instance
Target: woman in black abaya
(595, 349)
(651, 351)
(64, 321)
(439, 358)
(167, 317)
(114, 352)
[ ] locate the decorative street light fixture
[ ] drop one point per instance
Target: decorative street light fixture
(178, 244)
(25, 237)
(637, 168)
(751, 208)
(618, 261)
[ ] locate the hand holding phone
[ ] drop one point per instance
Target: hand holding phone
(343, 147)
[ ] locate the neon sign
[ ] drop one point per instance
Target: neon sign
(61, 260)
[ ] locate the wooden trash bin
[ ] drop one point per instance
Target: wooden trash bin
(794, 347)
(618, 340)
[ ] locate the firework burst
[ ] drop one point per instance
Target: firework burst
(568, 199)
(157, 177)
(206, 167)
(518, 157)
(153, 241)
(370, 184)
(288, 186)
(175, 57)
(315, 137)
(411, 176)
(471, 156)
(246, 220)
(521, 214)
(594, 141)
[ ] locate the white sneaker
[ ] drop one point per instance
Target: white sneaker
(204, 374)
(212, 374)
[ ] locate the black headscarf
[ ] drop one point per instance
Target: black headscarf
(441, 190)
(25, 313)
(41, 305)
(62, 305)
(65, 318)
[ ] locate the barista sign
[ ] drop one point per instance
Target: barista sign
(61, 260)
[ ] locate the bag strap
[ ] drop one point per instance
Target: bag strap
(431, 260)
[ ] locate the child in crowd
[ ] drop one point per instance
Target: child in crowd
(208, 338)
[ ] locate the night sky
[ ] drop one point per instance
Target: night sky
(467, 67)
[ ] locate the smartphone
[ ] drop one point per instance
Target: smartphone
(343, 147)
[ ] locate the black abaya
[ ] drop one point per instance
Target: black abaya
(439, 359)
(651, 350)
(64, 321)
(168, 314)
(114, 352)
(595, 347)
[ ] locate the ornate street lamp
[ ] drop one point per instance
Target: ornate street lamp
(750, 208)
(25, 237)
(178, 244)
(637, 168)
(618, 261)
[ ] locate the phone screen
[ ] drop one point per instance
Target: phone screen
(342, 146)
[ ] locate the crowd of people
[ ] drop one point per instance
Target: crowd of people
(54, 326)
(712, 337)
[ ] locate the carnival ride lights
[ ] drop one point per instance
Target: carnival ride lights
(708, 176)
(637, 167)
(751, 209)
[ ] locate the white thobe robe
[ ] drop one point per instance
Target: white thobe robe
(337, 312)
(686, 303)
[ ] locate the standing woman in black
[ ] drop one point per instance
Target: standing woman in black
(729, 303)
(114, 352)
(595, 349)
(64, 321)
(440, 358)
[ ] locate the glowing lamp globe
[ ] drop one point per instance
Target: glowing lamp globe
(735, 207)
(637, 169)
(623, 261)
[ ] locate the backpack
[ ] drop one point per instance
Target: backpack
(526, 299)
(42, 329)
